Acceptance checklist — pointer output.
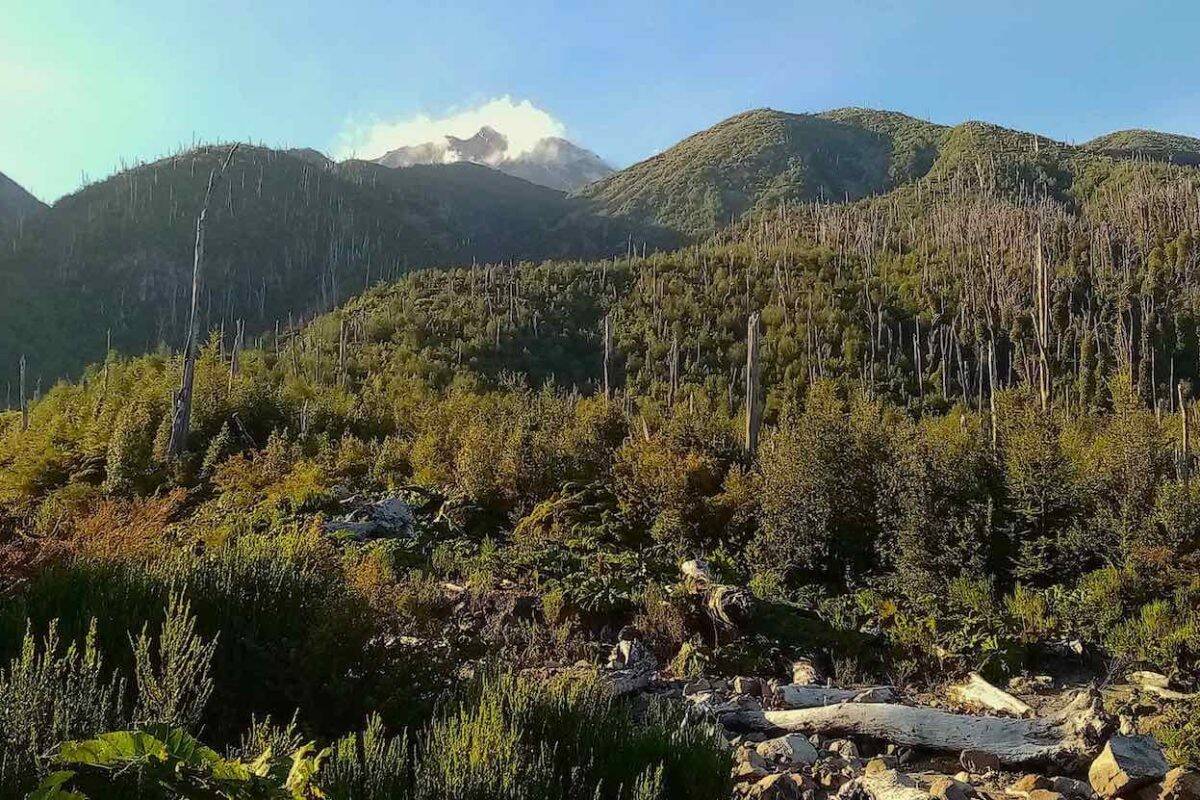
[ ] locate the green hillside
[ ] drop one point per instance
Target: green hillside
(1153, 145)
(287, 237)
(763, 158)
(758, 157)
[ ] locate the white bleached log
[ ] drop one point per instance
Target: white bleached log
(979, 693)
(1067, 738)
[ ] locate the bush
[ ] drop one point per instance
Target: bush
(49, 693)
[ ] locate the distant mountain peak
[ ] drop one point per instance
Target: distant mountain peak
(552, 161)
(487, 146)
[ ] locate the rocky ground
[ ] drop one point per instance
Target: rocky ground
(1038, 740)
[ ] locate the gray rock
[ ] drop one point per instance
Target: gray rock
(1126, 764)
(388, 517)
(792, 750)
(951, 789)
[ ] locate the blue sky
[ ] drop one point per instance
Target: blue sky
(86, 84)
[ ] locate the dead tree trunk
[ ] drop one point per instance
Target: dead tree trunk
(182, 411)
(753, 411)
(342, 334)
(607, 355)
(1186, 460)
(235, 355)
(24, 402)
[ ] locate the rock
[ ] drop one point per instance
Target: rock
(806, 673)
(388, 517)
(1126, 764)
(1146, 678)
(1072, 788)
(880, 764)
(844, 748)
(750, 686)
(792, 750)
(1027, 784)
(1179, 784)
(945, 788)
(1045, 794)
(978, 762)
(749, 765)
(778, 787)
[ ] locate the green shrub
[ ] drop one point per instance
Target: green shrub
(49, 693)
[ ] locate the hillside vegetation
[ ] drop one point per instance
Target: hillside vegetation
(764, 158)
(1153, 145)
(479, 532)
(290, 236)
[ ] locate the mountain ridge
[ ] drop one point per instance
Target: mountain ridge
(763, 157)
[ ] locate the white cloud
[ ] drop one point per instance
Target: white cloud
(521, 122)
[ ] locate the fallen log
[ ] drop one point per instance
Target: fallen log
(1066, 739)
(979, 693)
(801, 696)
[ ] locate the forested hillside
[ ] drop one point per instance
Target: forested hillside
(764, 158)
(1152, 145)
(609, 527)
(289, 236)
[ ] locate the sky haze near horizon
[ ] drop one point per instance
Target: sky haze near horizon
(86, 87)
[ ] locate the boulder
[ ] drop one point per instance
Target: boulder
(1072, 788)
(793, 750)
(945, 788)
(748, 764)
(390, 516)
(1126, 764)
(778, 787)
(1179, 784)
